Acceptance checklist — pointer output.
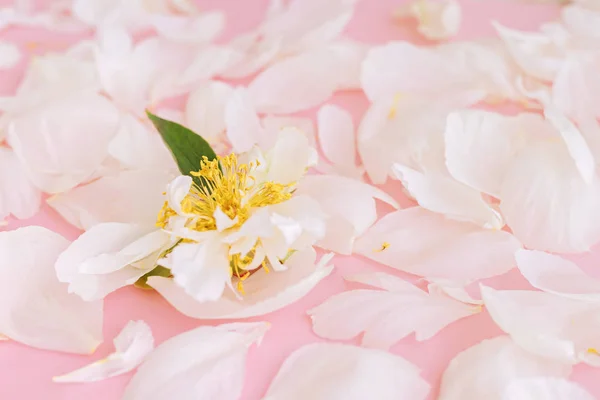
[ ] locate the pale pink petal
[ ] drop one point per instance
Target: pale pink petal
(346, 199)
(444, 195)
(424, 243)
(557, 275)
(547, 325)
(581, 20)
(296, 83)
(205, 109)
(544, 388)
(485, 370)
(136, 197)
(108, 257)
(349, 56)
(36, 308)
(542, 217)
(273, 124)
(337, 139)
(205, 363)
(437, 19)
(386, 316)
(575, 88)
(480, 145)
(353, 373)
(132, 345)
(62, 144)
(243, 125)
(256, 53)
(10, 55)
(18, 196)
(264, 292)
(200, 28)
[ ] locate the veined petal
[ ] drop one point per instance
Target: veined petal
(264, 292)
(353, 373)
(132, 345)
(557, 275)
(424, 243)
(197, 364)
(136, 197)
(444, 195)
(485, 370)
(36, 308)
(544, 388)
(18, 196)
(386, 316)
(547, 325)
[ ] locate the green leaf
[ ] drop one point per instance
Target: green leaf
(187, 147)
(158, 271)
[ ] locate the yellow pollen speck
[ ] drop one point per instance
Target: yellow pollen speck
(394, 107)
(383, 247)
(592, 350)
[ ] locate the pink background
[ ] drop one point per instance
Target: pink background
(25, 373)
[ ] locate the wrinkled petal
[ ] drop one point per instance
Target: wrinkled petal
(557, 275)
(424, 243)
(136, 197)
(205, 363)
(18, 196)
(485, 370)
(100, 260)
(547, 325)
(132, 345)
(346, 199)
(36, 308)
(353, 373)
(543, 388)
(444, 195)
(265, 292)
(205, 109)
(386, 316)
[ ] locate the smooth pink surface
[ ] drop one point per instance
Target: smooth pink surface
(25, 373)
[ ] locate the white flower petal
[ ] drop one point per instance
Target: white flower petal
(136, 197)
(556, 275)
(49, 141)
(543, 388)
(486, 369)
(177, 190)
(444, 195)
(205, 363)
(481, 144)
(264, 292)
(9, 55)
(344, 198)
(542, 217)
(289, 158)
(132, 345)
(296, 83)
(257, 52)
(420, 242)
(205, 109)
(574, 90)
(547, 325)
(337, 138)
(36, 308)
(200, 28)
(353, 373)
(243, 125)
(437, 19)
(386, 316)
(18, 196)
(99, 261)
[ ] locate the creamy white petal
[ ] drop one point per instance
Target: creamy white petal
(264, 292)
(289, 158)
(444, 195)
(200, 28)
(386, 316)
(136, 197)
(205, 363)
(345, 198)
(205, 109)
(486, 369)
(539, 215)
(243, 125)
(132, 345)
(256, 52)
(481, 144)
(177, 189)
(437, 19)
(36, 308)
(424, 243)
(544, 388)
(557, 275)
(296, 83)
(99, 261)
(547, 325)
(337, 139)
(352, 373)
(10, 55)
(18, 196)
